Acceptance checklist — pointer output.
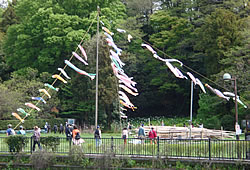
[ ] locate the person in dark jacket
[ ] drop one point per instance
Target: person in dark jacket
(68, 132)
(98, 135)
(55, 128)
(61, 129)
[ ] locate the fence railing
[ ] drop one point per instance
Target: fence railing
(177, 148)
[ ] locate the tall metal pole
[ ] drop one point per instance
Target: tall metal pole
(191, 108)
(236, 106)
(97, 63)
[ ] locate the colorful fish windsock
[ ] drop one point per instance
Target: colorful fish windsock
(56, 76)
(102, 22)
(122, 113)
(17, 116)
(79, 58)
(126, 79)
(192, 77)
(112, 44)
(128, 85)
(175, 70)
(217, 92)
(45, 92)
(32, 106)
(201, 85)
(23, 111)
(108, 36)
(39, 99)
(63, 72)
(126, 105)
(232, 95)
(51, 87)
(90, 75)
(107, 31)
(149, 48)
(121, 30)
(123, 109)
(173, 60)
(129, 38)
(83, 52)
(125, 98)
(128, 90)
(117, 58)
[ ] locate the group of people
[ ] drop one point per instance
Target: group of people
(48, 129)
(73, 134)
(152, 135)
(36, 136)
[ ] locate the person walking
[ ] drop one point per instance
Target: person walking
(125, 135)
(55, 128)
(76, 136)
(46, 127)
(21, 131)
(129, 128)
(98, 135)
(141, 133)
(152, 135)
(68, 132)
(61, 129)
(10, 132)
(36, 138)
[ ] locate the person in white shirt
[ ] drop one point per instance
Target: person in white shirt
(125, 135)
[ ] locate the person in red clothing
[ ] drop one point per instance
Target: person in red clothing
(152, 135)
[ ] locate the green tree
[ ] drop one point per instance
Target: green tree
(168, 32)
(25, 84)
(42, 41)
(8, 17)
(217, 35)
(236, 63)
(9, 102)
(211, 111)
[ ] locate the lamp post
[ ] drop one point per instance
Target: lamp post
(191, 109)
(227, 77)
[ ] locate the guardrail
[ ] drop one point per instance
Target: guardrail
(178, 148)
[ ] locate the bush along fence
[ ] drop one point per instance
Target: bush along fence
(170, 148)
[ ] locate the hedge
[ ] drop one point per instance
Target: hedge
(30, 123)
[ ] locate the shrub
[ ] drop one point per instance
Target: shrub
(42, 159)
(17, 142)
(76, 156)
(50, 142)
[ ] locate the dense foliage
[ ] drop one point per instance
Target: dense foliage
(209, 37)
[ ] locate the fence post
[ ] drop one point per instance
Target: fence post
(112, 144)
(69, 143)
(158, 146)
(209, 148)
(31, 144)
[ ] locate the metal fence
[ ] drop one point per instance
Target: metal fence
(172, 148)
